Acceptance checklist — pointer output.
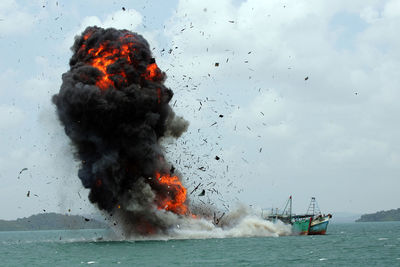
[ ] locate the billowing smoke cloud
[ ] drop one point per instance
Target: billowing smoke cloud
(115, 108)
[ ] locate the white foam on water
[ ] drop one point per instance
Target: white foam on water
(323, 259)
(249, 226)
(239, 223)
(382, 238)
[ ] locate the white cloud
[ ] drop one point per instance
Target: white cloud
(129, 19)
(10, 116)
(369, 14)
(13, 18)
(7, 78)
(392, 9)
(120, 19)
(40, 88)
(333, 127)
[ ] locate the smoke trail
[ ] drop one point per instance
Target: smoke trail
(114, 107)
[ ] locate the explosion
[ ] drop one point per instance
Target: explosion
(115, 109)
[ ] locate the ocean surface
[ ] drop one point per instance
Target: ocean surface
(353, 244)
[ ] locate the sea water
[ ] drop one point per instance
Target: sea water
(353, 244)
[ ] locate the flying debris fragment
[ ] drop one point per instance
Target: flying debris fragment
(195, 188)
(217, 220)
(24, 169)
(203, 192)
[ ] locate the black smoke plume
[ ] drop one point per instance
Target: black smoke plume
(115, 108)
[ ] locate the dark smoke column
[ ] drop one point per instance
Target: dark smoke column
(114, 107)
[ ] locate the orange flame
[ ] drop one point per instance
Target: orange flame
(105, 55)
(152, 72)
(175, 200)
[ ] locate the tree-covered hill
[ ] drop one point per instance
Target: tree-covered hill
(50, 221)
(381, 216)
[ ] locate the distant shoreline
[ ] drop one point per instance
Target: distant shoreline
(381, 216)
(51, 221)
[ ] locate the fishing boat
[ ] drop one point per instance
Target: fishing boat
(300, 225)
(319, 221)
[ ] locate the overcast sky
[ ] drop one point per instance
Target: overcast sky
(333, 135)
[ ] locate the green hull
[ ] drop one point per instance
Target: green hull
(301, 227)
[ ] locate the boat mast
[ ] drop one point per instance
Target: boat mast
(313, 207)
